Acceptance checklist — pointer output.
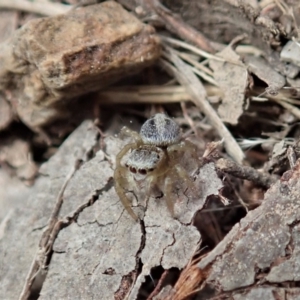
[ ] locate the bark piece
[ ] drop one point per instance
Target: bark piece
(53, 59)
(266, 293)
(89, 260)
(16, 154)
(289, 70)
(12, 194)
(291, 53)
(8, 24)
(262, 240)
(21, 229)
(104, 246)
(170, 242)
(232, 77)
(288, 270)
(6, 114)
(263, 71)
(292, 294)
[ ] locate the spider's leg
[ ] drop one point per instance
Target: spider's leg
(184, 176)
(120, 181)
(148, 188)
(193, 150)
(185, 146)
(153, 178)
(191, 146)
(126, 132)
(168, 195)
(122, 153)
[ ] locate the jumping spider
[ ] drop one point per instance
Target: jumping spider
(154, 157)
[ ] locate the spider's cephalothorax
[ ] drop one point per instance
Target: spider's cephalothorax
(144, 160)
(154, 157)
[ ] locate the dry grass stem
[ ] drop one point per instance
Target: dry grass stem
(204, 76)
(198, 51)
(45, 8)
(291, 108)
(144, 94)
(265, 3)
(259, 99)
(246, 49)
(280, 97)
(192, 48)
(188, 119)
(250, 143)
(282, 6)
(198, 68)
(212, 90)
(188, 57)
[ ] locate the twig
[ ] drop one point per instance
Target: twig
(291, 155)
(159, 285)
(45, 8)
(194, 87)
(183, 30)
(244, 172)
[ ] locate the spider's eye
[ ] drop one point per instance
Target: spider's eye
(132, 170)
(152, 122)
(142, 171)
(151, 170)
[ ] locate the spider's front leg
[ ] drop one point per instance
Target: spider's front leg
(183, 175)
(185, 146)
(168, 195)
(120, 177)
(176, 152)
(121, 181)
(126, 132)
(179, 172)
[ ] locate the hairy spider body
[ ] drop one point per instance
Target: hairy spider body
(160, 130)
(144, 160)
(154, 158)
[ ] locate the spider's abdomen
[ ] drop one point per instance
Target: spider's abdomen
(143, 160)
(160, 130)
